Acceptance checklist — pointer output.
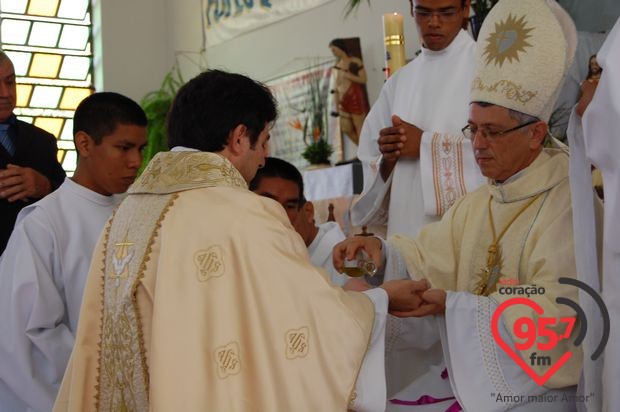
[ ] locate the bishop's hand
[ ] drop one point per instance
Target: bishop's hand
(405, 295)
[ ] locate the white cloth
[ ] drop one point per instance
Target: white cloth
(431, 92)
(42, 276)
(320, 250)
(601, 122)
(586, 209)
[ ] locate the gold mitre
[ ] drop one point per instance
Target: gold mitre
(524, 50)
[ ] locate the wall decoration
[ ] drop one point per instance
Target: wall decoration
(304, 104)
(226, 19)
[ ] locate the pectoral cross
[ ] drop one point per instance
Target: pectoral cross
(491, 273)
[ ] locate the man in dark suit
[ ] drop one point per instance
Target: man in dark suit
(29, 169)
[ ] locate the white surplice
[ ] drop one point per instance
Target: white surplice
(42, 276)
(601, 122)
(431, 92)
(320, 250)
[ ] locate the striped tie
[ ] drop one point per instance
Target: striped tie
(5, 139)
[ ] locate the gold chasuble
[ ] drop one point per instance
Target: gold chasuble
(201, 297)
(522, 236)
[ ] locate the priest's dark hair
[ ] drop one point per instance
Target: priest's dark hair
(214, 103)
(275, 167)
(99, 114)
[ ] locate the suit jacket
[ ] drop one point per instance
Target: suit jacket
(34, 148)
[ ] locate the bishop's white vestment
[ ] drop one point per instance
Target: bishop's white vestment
(536, 250)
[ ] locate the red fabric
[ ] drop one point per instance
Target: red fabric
(354, 100)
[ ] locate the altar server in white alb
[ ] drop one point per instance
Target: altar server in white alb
(599, 145)
(515, 230)
(415, 159)
(281, 181)
(44, 267)
(416, 162)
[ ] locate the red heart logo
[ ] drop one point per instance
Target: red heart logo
(540, 380)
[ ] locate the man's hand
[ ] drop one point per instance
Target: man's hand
(433, 303)
(405, 295)
(402, 139)
(347, 250)
(23, 183)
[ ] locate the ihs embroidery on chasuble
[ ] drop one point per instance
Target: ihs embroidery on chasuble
(227, 360)
(209, 263)
(297, 343)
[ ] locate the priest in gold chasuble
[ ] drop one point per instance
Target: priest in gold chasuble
(201, 296)
(513, 237)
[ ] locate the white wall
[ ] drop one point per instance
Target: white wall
(132, 48)
(290, 44)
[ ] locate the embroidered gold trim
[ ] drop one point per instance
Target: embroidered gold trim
(447, 163)
(122, 379)
(171, 172)
(510, 90)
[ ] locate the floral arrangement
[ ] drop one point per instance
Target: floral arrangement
(314, 125)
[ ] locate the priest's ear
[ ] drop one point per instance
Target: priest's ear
(238, 140)
(83, 144)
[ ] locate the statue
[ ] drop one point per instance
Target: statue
(350, 90)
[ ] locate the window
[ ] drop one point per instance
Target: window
(49, 42)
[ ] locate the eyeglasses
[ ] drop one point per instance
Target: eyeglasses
(470, 133)
(425, 15)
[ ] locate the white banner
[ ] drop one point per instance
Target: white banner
(226, 19)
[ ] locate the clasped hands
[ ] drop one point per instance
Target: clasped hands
(23, 183)
(400, 139)
(407, 298)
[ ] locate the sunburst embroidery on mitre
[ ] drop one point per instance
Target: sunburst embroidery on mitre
(508, 40)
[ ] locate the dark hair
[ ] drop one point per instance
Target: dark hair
(275, 167)
(463, 2)
(99, 114)
(520, 117)
(212, 104)
(341, 44)
(590, 74)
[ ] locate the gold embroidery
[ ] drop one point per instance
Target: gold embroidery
(448, 180)
(490, 275)
(227, 360)
(509, 89)
(352, 399)
(171, 172)
(297, 343)
(507, 41)
(122, 381)
(209, 263)
(121, 259)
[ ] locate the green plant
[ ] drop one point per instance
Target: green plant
(156, 105)
(314, 127)
(318, 152)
